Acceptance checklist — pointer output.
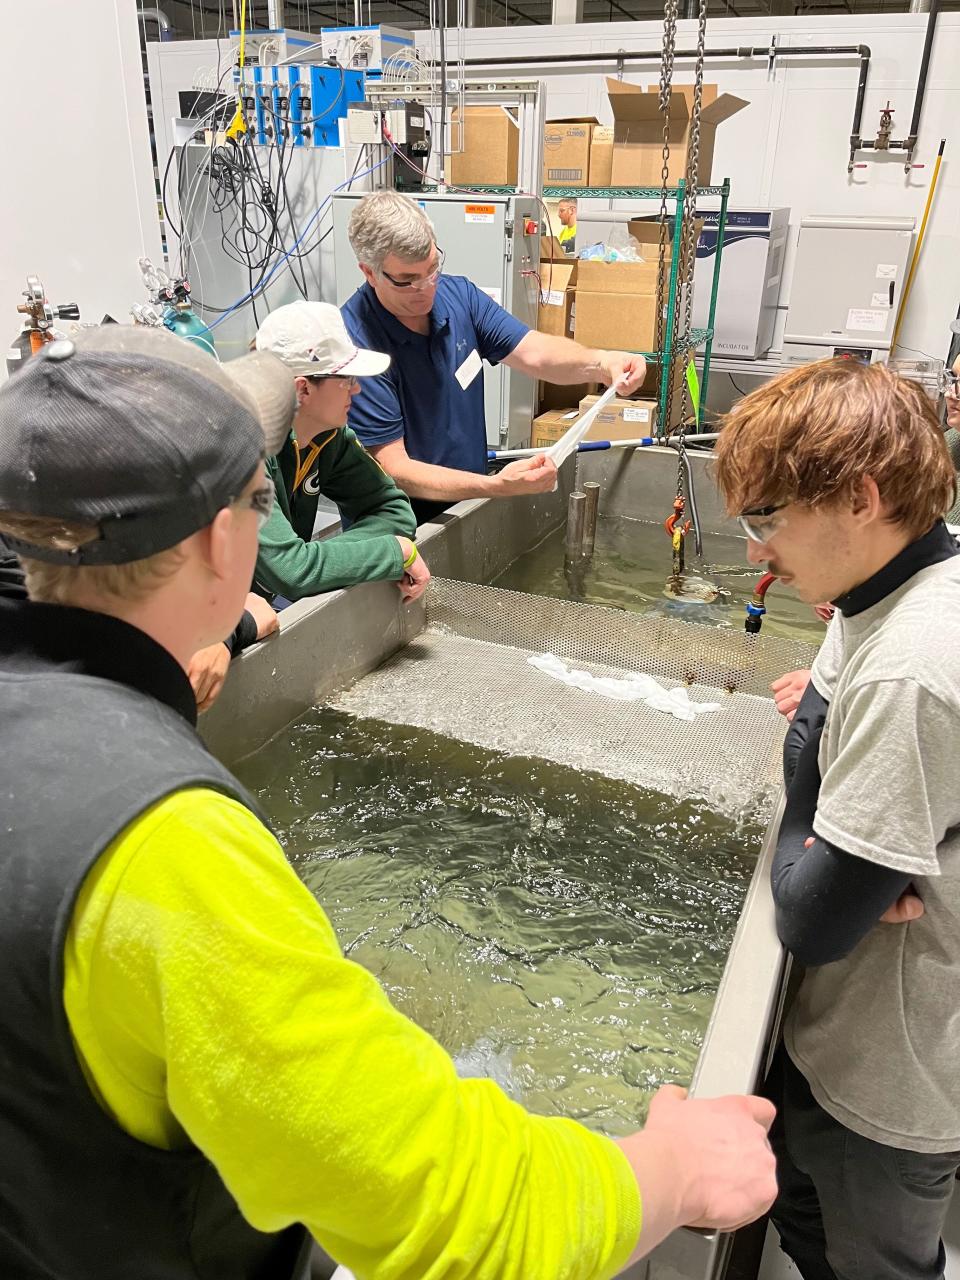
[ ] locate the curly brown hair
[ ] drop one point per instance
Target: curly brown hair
(812, 434)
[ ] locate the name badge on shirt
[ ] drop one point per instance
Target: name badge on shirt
(469, 369)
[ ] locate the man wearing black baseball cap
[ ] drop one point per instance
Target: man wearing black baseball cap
(194, 1077)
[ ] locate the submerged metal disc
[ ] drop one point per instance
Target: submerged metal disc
(689, 589)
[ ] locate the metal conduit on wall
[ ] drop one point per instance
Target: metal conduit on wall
(771, 52)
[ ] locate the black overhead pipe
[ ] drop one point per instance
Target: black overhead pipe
(907, 144)
(924, 68)
(771, 52)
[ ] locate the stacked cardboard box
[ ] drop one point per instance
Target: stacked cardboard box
(553, 395)
(558, 278)
(621, 419)
(601, 155)
(566, 151)
(618, 420)
(577, 152)
(616, 305)
(638, 132)
(490, 154)
(549, 426)
(557, 285)
(616, 302)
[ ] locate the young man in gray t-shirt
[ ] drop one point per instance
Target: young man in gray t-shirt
(840, 477)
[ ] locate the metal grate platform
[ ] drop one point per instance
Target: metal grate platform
(467, 676)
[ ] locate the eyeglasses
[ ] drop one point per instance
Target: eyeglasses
(951, 381)
(419, 285)
(343, 379)
(260, 502)
(760, 525)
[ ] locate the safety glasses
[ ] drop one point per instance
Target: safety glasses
(761, 524)
(419, 285)
(260, 502)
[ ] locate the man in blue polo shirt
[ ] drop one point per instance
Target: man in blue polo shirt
(423, 420)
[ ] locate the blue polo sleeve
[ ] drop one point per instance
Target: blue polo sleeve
(375, 414)
(498, 332)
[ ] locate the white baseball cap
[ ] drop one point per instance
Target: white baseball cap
(312, 340)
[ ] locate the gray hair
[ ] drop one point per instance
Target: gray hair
(386, 222)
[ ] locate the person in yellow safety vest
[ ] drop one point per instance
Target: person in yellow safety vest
(568, 231)
(214, 1082)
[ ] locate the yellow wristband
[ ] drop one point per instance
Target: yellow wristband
(410, 558)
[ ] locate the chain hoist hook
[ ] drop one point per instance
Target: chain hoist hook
(677, 529)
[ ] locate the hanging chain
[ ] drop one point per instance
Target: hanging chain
(670, 12)
(689, 232)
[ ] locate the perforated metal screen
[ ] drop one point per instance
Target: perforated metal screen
(467, 676)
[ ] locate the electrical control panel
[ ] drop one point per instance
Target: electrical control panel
(301, 104)
(364, 48)
(364, 124)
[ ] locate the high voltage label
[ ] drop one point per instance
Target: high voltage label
(479, 212)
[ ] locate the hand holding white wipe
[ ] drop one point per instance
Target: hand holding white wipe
(559, 452)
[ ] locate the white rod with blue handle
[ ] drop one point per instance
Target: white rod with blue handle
(588, 446)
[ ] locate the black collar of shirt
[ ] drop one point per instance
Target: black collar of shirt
(37, 636)
(936, 544)
(396, 329)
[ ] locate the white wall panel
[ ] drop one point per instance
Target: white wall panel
(790, 146)
(78, 207)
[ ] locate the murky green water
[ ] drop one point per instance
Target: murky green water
(631, 565)
(559, 932)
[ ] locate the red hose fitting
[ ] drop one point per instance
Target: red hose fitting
(763, 586)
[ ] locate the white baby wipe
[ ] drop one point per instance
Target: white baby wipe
(568, 442)
(636, 688)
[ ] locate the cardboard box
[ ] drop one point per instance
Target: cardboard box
(550, 426)
(601, 155)
(490, 155)
(750, 278)
(638, 132)
(621, 419)
(618, 277)
(647, 231)
(551, 250)
(550, 395)
(615, 321)
(557, 291)
(616, 305)
(566, 152)
(649, 389)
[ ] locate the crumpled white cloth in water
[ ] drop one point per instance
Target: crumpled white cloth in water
(636, 688)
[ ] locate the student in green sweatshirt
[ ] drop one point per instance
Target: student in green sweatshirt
(323, 456)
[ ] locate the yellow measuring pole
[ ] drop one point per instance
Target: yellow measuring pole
(916, 253)
(243, 29)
